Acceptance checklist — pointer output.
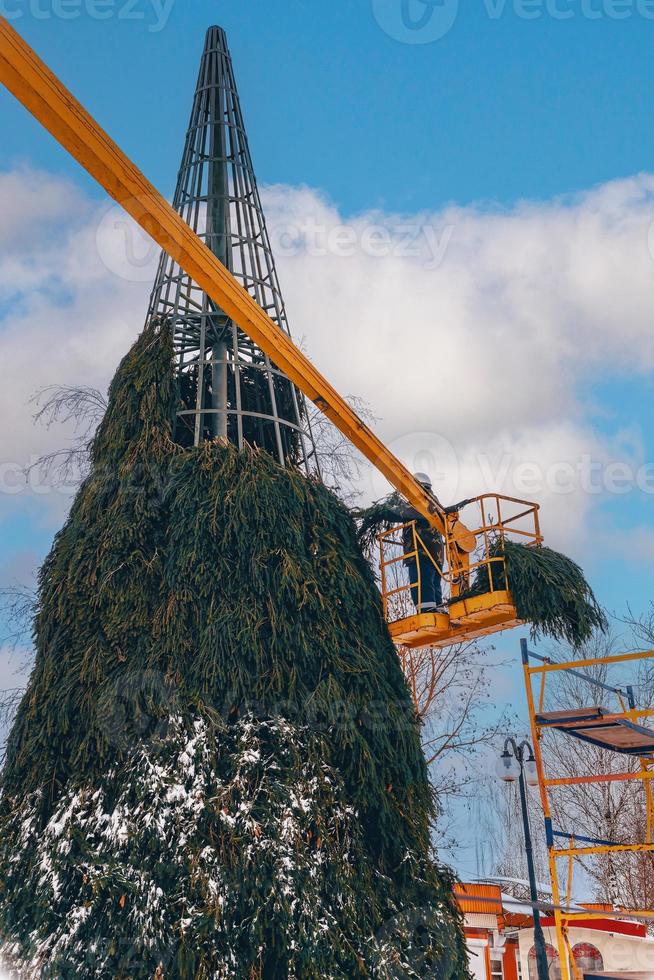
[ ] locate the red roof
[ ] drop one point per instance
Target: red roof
(622, 927)
(487, 899)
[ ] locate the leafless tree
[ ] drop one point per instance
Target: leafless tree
(613, 811)
(17, 606)
(82, 408)
(451, 689)
(497, 815)
(341, 465)
(642, 626)
(9, 701)
(453, 696)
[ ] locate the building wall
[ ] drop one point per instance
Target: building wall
(483, 951)
(620, 953)
(511, 962)
(477, 953)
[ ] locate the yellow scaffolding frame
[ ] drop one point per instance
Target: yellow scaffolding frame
(629, 714)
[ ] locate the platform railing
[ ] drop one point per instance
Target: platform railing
(397, 581)
(470, 560)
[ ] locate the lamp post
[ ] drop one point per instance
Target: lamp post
(517, 763)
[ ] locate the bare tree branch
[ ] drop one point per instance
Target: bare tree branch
(84, 408)
(340, 463)
(642, 626)
(17, 609)
(9, 701)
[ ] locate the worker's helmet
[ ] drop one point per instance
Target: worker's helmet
(424, 479)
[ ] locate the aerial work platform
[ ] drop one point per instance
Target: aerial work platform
(466, 619)
(472, 571)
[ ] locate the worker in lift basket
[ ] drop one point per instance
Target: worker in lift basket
(429, 597)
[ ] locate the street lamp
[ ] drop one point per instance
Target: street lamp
(517, 764)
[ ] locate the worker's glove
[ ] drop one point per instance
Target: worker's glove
(457, 507)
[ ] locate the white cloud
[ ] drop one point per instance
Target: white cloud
(476, 326)
(32, 199)
(64, 317)
(489, 348)
(21, 570)
(524, 306)
(634, 544)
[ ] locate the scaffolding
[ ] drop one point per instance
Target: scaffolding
(620, 729)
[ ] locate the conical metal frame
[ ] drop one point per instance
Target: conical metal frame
(228, 387)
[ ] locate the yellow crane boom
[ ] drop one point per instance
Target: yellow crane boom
(41, 92)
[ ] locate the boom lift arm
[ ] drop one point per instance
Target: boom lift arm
(41, 92)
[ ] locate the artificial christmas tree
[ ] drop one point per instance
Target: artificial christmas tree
(216, 769)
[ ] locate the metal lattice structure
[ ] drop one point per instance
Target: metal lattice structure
(228, 387)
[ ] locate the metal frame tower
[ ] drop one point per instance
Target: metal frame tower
(228, 387)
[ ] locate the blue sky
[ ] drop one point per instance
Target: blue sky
(499, 109)
(525, 137)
